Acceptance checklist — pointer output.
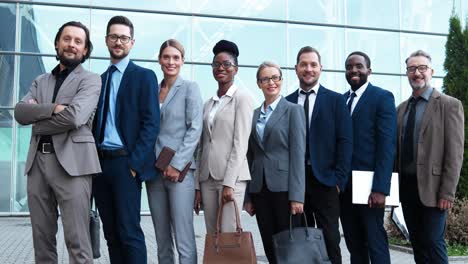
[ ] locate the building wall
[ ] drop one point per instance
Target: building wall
(388, 31)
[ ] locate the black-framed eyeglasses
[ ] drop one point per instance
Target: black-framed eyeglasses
(420, 68)
(123, 39)
(274, 78)
(225, 64)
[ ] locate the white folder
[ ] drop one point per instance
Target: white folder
(362, 186)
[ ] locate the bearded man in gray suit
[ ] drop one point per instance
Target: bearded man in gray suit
(62, 155)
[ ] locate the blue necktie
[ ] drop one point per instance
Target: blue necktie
(105, 111)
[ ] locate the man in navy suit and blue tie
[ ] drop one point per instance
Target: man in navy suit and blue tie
(373, 114)
(126, 128)
(328, 148)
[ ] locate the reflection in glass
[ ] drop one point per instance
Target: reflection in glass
(150, 30)
(272, 9)
(317, 11)
(330, 44)
(371, 13)
(390, 83)
(381, 47)
(8, 28)
(434, 45)
(23, 136)
(39, 25)
(159, 5)
(427, 16)
(6, 121)
(257, 41)
(6, 79)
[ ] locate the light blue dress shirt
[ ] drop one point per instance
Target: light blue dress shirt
(111, 136)
(264, 116)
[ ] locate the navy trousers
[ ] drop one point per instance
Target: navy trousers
(364, 231)
(426, 227)
(118, 199)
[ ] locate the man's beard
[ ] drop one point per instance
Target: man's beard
(67, 62)
(117, 56)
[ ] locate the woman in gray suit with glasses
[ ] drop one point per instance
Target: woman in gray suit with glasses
(171, 201)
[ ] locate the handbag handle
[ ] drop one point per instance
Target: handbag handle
(219, 219)
(305, 228)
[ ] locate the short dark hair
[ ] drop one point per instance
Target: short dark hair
(362, 54)
(88, 43)
(308, 49)
(120, 20)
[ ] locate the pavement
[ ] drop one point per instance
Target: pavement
(16, 242)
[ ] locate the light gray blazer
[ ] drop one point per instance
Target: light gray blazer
(70, 129)
(223, 148)
(280, 156)
(181, 122)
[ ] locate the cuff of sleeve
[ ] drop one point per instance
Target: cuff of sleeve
(230, 183)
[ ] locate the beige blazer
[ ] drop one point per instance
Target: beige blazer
(222, 151)
(439, 149)
(70, 129)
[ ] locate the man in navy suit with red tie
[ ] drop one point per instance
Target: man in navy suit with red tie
(373, 114)
(328, 148)
(126, 128)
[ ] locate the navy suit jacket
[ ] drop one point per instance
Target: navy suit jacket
(136, 117)
(330, 138)
(374, 135)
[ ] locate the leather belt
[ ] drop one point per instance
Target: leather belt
(112, 153)
(46, 148)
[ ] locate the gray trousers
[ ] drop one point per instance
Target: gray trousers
(171, 206)
(49, 186)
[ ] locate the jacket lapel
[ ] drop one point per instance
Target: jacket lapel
(431, 109)
(124, 84)
(363, 100)
(206, 116)
(69, 79)
(319, 100)
(172, 92)
(256, 116)
(280, 110)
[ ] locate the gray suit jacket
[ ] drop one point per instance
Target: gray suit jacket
(280, 156)
(181, 122)
(71, 128)
(223, 148)
(440, 147)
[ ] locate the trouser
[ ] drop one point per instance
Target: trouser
(49, 186)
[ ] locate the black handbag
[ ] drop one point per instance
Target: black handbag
(94, 231)
(300, 245)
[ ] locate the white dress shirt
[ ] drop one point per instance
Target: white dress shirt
(358, 93)
(218, 102)
(312, 97)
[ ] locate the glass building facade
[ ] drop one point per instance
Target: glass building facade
(387, 30)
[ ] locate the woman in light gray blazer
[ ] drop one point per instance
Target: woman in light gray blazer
(171, 201)
(223, 172)
(276, 158)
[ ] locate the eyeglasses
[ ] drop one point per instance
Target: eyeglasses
(274, 78)
(420, 68)
(123, 39)
(225, 64)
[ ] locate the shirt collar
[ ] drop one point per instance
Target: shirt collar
(230, 92)
(360, 90)
(272, 106)
(427, 94)
(122, 64)
(56, 71)
(315, 88)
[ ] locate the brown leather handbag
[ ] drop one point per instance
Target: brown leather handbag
(229, 247)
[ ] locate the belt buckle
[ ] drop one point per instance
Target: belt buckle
(43, 149)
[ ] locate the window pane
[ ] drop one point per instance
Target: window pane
(257, 41)
(243, 8)
(428, 16)
(6, 121)
(8, 28)
(371, 13)
(381, 47)
(328, 41)
(39, 25)
(390, 83)
(30, 68)
(23, 137)
(159, 5)
(148, 38)
(6, 79)
(318, 11)
(434, 45)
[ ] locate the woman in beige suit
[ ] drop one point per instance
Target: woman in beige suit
(222, 169)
